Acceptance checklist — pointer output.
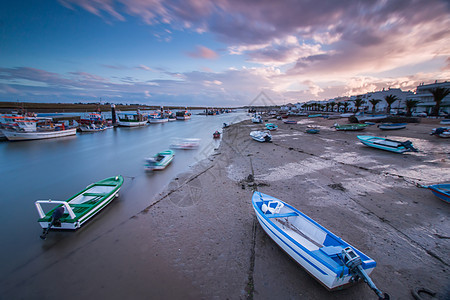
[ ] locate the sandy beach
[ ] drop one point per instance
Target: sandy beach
(200, 239)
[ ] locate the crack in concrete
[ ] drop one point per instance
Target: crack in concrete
(250, 289)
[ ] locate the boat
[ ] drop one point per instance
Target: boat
(36, 129)
(271, 126)
(160, 161)
(216, 135)
(350, 127)
(386, 144)
(445, 122)
(289, 122)
(78, 209)
(185, 144)
(312, 130)
(392, 126)
(261, 136)
(362, 117)
(257, 119)
(315, 116)
(442, 191)
(132, 119)
(183, 115)
(330, 260)
(225, 125)
(157, 119)
(92, 127)
(443, 132)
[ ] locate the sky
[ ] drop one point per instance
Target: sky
(218, 53)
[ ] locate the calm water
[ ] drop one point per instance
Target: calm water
(59, 168)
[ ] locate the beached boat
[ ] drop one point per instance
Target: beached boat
(132, 119)
(160, 161)
(312, 130)
(216, 135)
(289, 122)
(185, 144)
(315, 116)
(392, 126)
(329, 259)
(443, 132)
(261, 136)
(350, 127)
(78, 209)
(362, 117)
(386, 144)
(271, 126)
(442, 191)
(183, 115)
(445, 122)
(256, 119)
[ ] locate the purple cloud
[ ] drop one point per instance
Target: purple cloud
(203, 52)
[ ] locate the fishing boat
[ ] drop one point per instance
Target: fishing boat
(329, 259)
(216, 135)
(443, 132)
(261, 136)
(350, 127)
(289, 122)
(271, 126)
(183, 115)
(442, 191)
(157, 119)
(392, 126)
(185, 144)
(386, 144)
(92, 128)
(132, 119)
(36, 129)
(78, 209)
(160, 161)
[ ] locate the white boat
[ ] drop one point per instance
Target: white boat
(183, 115)
(257, 119)
(392, 126)
(362, 117)
(445, 122)
(132, 119)
(325, 256)
(261, 136)
(185, 144)
(36, 129)
(443, 132)
(92, 127)
(157, 120)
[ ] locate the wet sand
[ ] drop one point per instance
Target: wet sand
(199, 239)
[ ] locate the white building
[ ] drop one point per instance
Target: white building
(381, 106)
(424, 96)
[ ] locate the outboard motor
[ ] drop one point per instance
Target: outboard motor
(55, 221)
(353, 262)
(409, 145)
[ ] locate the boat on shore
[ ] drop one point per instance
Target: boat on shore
(442, 191)
(445, 122)
(160, 161)
(443, 132)
(261, 136)
(257, 119)
(392, 126)
(132, 119)
(312, 130)
(271, 126)
(386, 144)
(78, 209)
(315, 116)
(362, 117)
(350, 127)
(330, 260)
(289, 122)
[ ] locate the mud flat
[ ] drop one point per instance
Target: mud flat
(199, 239)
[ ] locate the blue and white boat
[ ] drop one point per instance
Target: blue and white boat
(392, 126)
(442, 191)
(271, 126)
(386, 144)
(325, 256)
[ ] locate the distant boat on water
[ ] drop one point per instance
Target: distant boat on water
(160, 161)
(132, 119)
(183, 115)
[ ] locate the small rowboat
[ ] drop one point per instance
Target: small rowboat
(160, 161)
(442, 191)
(216, 135)
(350, 127)
(289, 122)
(392, 126)
(386, 144)
(261, 136)
(78, 209)
(315, 116)
(443, 132)
(312, 130)
(271, 126)
(329, 259)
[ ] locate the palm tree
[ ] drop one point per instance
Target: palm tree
(439, 93)
(374, 102)
(410, 104)
(358, 103)
(327, 105)
(332, 104)
(389, 100)
(346, 104)
(339, 104)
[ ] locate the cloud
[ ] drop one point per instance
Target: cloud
(203, 52)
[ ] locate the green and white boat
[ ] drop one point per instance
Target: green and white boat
(350, 127)
(160, 161)
(78, 209)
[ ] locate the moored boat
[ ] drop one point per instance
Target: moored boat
(329, 259)
(261, 136)
(350, 127)
(392, 126)
(183, 115)
(74, 212)
(216, 135)
(386, 144)
(157, 119)
(92, 128)
(36, 129)
(132, 119)
(160, 161)
(271, 126)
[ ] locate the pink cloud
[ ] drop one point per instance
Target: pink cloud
(203, 52)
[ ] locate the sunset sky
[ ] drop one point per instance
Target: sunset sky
(221, 52)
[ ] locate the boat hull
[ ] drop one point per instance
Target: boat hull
(157, 121)
(132, 124)
(261, 136)
(13, 135)
(392, 126)
(383, 144)
(442, 191)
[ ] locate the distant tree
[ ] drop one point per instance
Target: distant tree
(410, 104)
(346, 104)
(332, 104)
(339, 104)
(358, 103)
(439, 93)
(390, 99)
(374, 102)
(327, 105)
